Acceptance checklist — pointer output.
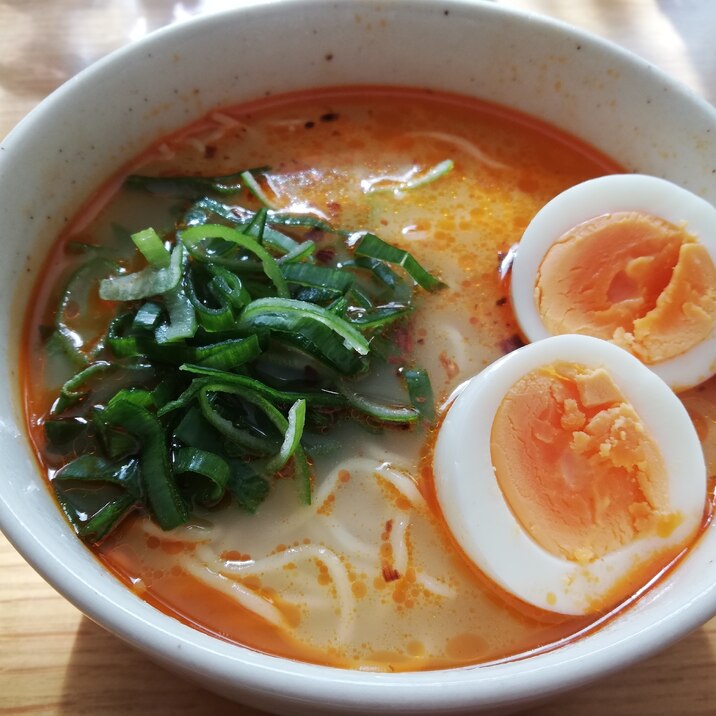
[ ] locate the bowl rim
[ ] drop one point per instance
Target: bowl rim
(219, 662)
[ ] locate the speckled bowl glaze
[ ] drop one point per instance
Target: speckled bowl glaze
(77, 137)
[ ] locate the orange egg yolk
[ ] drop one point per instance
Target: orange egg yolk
(634, 279)
(576, 464)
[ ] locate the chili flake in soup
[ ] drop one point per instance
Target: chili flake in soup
(366, 576)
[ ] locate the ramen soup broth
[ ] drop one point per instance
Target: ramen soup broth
(367, 576)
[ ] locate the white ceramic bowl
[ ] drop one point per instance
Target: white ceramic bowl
(85, 130)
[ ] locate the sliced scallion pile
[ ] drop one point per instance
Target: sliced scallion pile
(233, 349)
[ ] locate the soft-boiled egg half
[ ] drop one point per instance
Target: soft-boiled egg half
(570, 474)
(628, 258)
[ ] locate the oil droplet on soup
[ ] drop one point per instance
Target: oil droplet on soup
(367, 576)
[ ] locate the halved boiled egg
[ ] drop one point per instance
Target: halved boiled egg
(570, 474)
(628, 258)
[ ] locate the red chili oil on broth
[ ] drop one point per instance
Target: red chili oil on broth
(368, 576)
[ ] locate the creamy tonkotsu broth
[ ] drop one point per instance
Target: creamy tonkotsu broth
(367, 576)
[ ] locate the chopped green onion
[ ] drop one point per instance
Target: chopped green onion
(147, 316)
(97, 469)
(76, 295)
(192, 185)
(255, 188)
(211, 318)
(120, 341)
(291, 438)
(322, 397)
(157, 479)
(338, 306)
(305, 221)
(199, 212)
(280, 314)
(377, 409)
(186, 397)
(152, 248)
(196, 234)
(164, 391)
(256, 227)
(301, 252)
(229, 354)
(214, 469)
(96, 494)
(145, 283)
(182, 318)
(249, 442)
(373, 247)
(194, 431)
(136, 396)
(116, 442)
(360, 298)
(302, 475)
(420, 392)
(62, 432)
(93, 525)
(251, 344)
(247, 487)
(70, 393)
(227, 286)
(303, 274)
(318, 296)
(378, 316)
(380, 269)
(289, 446)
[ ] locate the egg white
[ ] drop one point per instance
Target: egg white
(479, 516)
(608, 195)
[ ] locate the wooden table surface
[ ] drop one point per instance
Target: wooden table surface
(53, 660)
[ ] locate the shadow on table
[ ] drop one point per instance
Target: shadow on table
(106, 676)
(676, 681)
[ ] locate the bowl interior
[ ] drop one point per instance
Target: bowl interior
(66, 148)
